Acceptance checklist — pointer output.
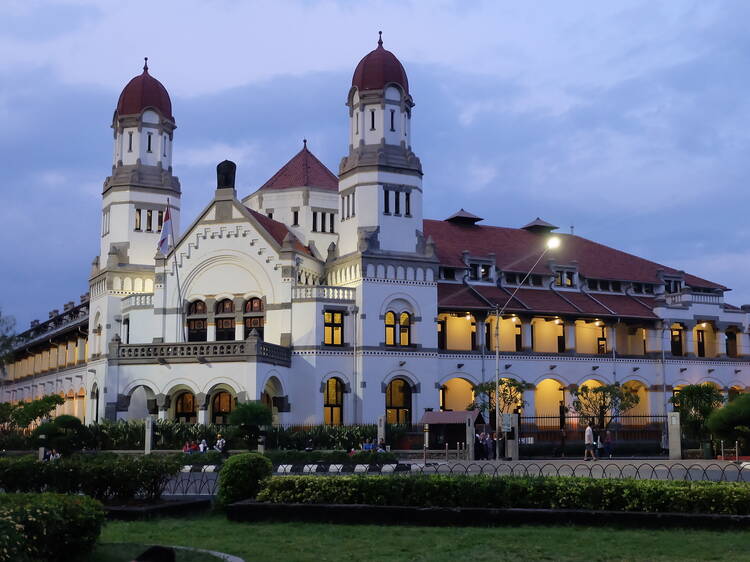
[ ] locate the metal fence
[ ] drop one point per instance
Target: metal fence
(205, 483)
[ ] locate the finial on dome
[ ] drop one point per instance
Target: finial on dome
(145, 64)
(304, 143)
(380, 38)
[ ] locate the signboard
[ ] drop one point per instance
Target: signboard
(507, 423)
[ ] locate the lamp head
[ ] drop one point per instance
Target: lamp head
(553, 242)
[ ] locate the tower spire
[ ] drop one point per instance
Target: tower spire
(145, 64)
(380, 38)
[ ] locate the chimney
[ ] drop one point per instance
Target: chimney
(68, 305)
(53, 313)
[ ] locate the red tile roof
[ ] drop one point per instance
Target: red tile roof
(278, 230)
(543, 301)
(303, 170)
(517, 249)
(142, 92)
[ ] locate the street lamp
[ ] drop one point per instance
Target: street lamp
(552, 243)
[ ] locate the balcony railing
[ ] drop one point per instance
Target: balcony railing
(324, 293)
(689, 297)
(251, 350)
(138, 300)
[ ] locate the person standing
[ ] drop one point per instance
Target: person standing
(589, 443)
(608, 444)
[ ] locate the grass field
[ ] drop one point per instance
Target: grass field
(308, 541)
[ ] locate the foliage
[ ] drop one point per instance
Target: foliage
(242, 477)
(696, 402)
(249, 417)
(732, 422)
(128, 435)
(201, 459)
(601, 404)
(26, 413)
(335, 457)
(65, 434)
(509, 396)
(54, 526)
(106, 477)
(514, 492)
(327, 436)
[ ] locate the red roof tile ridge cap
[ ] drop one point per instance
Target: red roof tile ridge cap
(593, 298)
(567, 300)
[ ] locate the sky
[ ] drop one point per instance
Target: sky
(627, 121)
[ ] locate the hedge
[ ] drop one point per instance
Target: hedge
(48, 526)
(513, 492)
(335, 457)
(107, 477)
(242, 477)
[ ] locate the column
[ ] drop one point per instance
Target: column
(210, 331)
(526, 334)
(688, 340)
(721, 343)
(570, 336)
(201, 400)
(162, 405)
(80, 350)
(239, 331)
(529, 408)
(654, 340)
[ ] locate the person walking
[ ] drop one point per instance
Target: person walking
(608, 444)
(589, 443)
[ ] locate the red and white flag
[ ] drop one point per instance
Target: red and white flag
(166, 230)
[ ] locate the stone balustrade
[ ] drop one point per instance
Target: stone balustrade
(323, 293)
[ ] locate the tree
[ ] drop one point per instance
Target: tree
(602, 404)
(509, 396)
(7, 340)
(249, 417)
(25, 413)
(732, 422)
(696, 402)
(65, 433)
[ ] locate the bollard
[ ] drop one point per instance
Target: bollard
(446, 451)
(723, 457)
(737, 451)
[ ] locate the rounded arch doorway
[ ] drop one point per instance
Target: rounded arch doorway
(398, 407)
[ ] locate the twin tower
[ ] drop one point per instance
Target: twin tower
(380, 179)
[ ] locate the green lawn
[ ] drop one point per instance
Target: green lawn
(309, 541)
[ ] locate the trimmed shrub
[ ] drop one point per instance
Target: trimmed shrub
(514, 492)
(335, 457)
(104, 477)
(12, 543)
(53, 526)
(242, 477)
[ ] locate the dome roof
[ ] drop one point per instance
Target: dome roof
(144, 91)
(378, 68)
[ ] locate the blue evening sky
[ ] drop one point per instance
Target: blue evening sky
(628, 120)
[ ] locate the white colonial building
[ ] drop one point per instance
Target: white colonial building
(333, 300)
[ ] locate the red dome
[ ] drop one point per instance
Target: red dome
(378, 68)
(144, 91)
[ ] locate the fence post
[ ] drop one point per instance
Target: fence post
(147, 437)
(737, 451)
(381, 429)
(723, 457)
(470, 437)
(426, 430)
(675, 436)
(446, 451)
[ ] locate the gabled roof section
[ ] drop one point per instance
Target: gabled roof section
(517, 249)
(278, 231)
(303, 170)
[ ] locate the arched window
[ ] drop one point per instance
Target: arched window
(253, 317)
(390, 328)
(196, 321)
(398, 402)
(222, 404)
(333, 402)
(184, 408)
(404, 329)
(397, 333)
(225, 320)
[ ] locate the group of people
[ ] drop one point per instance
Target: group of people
(597, 442)
(51, 455)
(371, 446)
(484, 446)
(194, 447)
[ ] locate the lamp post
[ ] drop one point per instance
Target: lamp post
(552, 243)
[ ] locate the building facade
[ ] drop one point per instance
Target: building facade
(333, 300)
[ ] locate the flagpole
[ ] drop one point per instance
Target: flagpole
(181, 330)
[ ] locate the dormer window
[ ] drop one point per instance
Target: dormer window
(672, 285)
(564, 278)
